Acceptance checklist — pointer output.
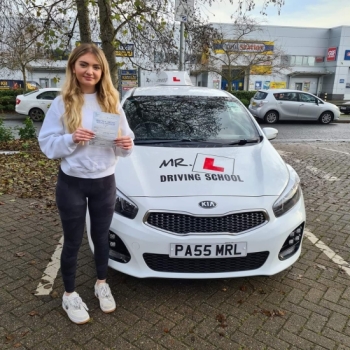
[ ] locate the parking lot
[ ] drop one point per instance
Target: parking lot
(304, 307)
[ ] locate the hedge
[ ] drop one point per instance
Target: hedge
(8, 99)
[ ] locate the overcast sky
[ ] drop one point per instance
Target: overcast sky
(304, 13)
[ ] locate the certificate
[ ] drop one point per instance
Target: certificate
(105, 126)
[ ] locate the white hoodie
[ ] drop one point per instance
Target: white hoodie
(80, 160)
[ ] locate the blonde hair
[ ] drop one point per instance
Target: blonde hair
(73, 97)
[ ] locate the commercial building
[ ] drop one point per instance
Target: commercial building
(317, 60)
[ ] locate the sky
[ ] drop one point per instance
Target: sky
(299, 13)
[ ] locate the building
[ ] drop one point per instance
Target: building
(318, 61)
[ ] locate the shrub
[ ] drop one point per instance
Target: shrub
(245, 101)
(28, 131)
(5, 133)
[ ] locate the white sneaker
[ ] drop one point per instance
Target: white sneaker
(103, 293)
(76, 309)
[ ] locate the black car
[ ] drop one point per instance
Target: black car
(345, 108)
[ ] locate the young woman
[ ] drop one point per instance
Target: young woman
(86, 175)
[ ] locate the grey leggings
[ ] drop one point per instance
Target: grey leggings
(73, 196)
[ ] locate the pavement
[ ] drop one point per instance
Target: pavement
(304, 307)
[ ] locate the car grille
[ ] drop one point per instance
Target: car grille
(163, 263)
(184, 224)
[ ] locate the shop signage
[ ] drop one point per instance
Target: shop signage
(258, 85)
(125, 50)
(347, 55)
(266, 85)
(319, 59)
(231, 46)
(278, 85)
(331, 54)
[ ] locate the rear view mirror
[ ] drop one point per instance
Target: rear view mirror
(270, 133)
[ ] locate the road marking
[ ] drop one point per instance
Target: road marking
(50, 273)
(333, 150)
(314, 170)
(338, 260)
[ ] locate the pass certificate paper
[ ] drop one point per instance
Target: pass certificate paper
(105, 126)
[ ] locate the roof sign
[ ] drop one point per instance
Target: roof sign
(173, 78)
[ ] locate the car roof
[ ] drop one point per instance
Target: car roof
(176, 83)
(49, 89)
(179, 91)
(283, 91)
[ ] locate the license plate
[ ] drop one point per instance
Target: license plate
(254, 104)
(221, 250)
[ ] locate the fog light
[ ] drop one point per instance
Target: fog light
(292, 243)
(117, 249)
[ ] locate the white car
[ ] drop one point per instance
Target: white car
(36, 103)
(204, 193)
(284, 104)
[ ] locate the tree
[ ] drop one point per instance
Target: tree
(21, 44)
(147, 24)
(233, 52)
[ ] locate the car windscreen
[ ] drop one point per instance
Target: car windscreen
(260, 95)
(189, 117)
(31, 92)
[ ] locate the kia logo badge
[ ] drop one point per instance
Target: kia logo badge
(207, 204)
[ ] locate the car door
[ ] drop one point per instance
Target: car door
(309, 109)
(287, 105)
(45, 99)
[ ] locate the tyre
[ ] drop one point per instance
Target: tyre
(271, 117)
(36, 114)
(326, 117)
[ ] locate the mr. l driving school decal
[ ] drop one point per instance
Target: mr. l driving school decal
(212, 167)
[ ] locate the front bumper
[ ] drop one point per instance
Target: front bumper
(264, 243)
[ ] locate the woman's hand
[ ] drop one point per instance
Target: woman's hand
(81, 135)
(124, 142)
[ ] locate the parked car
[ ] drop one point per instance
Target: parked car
(345, 107)
(36, 103)
(204, 193)
(284, 104)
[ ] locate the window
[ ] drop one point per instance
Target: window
(195, 117)
(302, 60)
(47, 95)
(307, 98)
(286, 96)
(260, 95)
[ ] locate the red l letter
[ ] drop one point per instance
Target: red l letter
(176, 79)
(209, 165)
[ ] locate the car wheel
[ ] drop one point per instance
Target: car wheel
(271, 117)
(36, 114)
(326, 117)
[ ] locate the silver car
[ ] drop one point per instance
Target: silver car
(284, 104)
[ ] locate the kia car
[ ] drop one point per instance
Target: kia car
(36, 103)
(274, 105)
(204, 193)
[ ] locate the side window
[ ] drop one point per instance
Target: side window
(47, 95)
(307, 98)
(286, 96)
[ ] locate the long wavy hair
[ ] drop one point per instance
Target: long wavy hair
(73, 97)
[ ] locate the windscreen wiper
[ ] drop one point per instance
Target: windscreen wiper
(154, 141)
(243, 142)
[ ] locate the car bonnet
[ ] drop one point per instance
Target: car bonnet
(254, 170)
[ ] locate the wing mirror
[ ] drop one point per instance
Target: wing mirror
(270, 133)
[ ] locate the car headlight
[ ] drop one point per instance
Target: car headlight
(290, 196)
(124, 206)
